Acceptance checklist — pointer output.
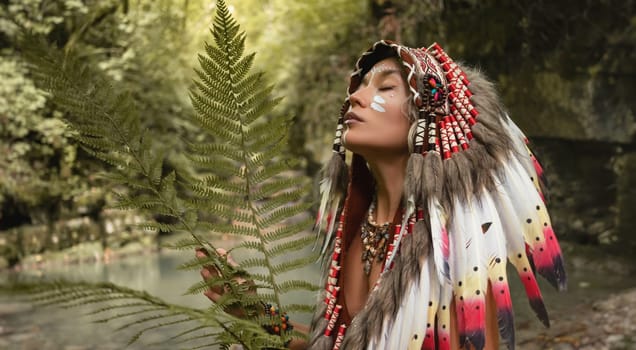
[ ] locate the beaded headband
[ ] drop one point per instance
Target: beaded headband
(440, 91)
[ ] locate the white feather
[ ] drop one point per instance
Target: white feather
(524, 199)
(412, 315)
(495, 241)
(520, 147)
(443, 311)
(325, 189)
(439, 242)
(469, 251)
(510, 222)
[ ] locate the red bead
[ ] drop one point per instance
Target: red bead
(474, 113)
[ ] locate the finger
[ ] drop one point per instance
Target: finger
(222, 252)
(213, 296)
(207, 275)
(231, 261)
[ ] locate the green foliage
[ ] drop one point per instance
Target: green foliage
(241, 176)
(308, 47)
(142, 46)
(142, 312)
(39, 176)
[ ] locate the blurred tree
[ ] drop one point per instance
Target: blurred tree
(40, 170)
(143, 45)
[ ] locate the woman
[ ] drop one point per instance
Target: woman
(440, 193)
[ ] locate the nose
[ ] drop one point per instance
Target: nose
(359, 97)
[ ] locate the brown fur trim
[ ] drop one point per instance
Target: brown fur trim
(384, 302)
(497, 145)
(318, 326)
(484, 166)
(413, 183)
(432, 178)
(337, 171)
(322, 343)
(416, 250)
(485, 97)
(457, 179)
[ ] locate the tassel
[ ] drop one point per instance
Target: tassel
(432, 177)
(413, 183)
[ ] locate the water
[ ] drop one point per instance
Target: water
(24, 326)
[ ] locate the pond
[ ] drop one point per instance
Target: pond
(23, 326)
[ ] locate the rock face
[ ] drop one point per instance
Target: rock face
(607, 324)
(566, 77)
(591, 189)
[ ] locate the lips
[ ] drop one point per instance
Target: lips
(350, 117)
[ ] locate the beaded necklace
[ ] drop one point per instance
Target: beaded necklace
(374, 239)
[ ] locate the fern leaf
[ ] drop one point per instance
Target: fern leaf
(290, 246)
(291, 285)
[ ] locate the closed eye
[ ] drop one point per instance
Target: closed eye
(387, 88)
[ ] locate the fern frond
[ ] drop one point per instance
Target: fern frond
(272, 187)
(243, 186)
(281, 214)
(229, 151)
(300, 308)
(290, 246)
(291, 196)
(295, 264)
(291, 285)
(288, 230)
(138, 335)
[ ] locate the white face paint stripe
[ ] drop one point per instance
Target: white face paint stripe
(377, 107)
(377, 102)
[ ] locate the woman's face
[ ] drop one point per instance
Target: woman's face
(376, 122)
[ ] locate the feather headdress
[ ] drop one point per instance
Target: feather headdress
(473, 200)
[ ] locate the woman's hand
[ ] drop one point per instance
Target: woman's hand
(215, 293)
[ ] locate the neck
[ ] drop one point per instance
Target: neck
(389, 174)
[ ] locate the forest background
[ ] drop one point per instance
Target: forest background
(564, 69)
